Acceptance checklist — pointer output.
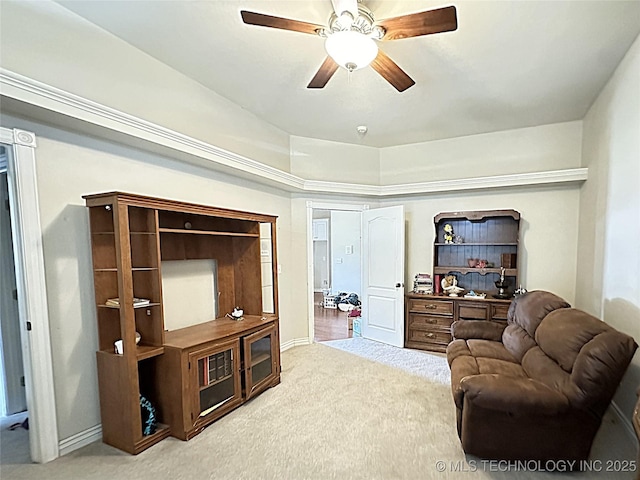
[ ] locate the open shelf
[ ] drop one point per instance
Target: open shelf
(148, 351)
(162, 432)
(142, 351)
(135, 306)
(207, 232)
(509, 272)
(477, 244)
(491, 237)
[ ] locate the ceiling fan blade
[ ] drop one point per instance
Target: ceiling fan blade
(391, 72)
(262, 20)
(423, 23)
(350, 6)
(324, 74)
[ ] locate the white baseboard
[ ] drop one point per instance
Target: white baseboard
(625, 422)
(94, 434)
(294, 343)
(81, 439)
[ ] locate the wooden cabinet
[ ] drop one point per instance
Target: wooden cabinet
(214, 367)
(260, 360)
(478, 236)
(190, 376)
(429, 317)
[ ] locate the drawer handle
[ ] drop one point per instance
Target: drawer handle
(431, 306)
(431, 320)
(429, 335)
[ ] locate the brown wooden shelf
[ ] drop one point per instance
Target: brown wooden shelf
(135, 306)
(130, 236)
(509, 272)
(135, 269)
(148, 351)
(207, 232)
(142, 351)
(215, 382)
(477, 244)
(162, 432)
(260, 359)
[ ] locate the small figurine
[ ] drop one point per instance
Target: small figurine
(448, 233)
(236, 314)
(520, 290)
(450, 286)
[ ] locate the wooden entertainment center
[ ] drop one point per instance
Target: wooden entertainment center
(194, 374)
(490, 236)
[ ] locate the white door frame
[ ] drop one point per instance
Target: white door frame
(32, 293)
(320, 206)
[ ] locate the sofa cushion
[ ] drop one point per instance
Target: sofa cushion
(539, 366)
(524, 316)
(489, 349)
(499, 367)
(461, 367)
(477, 329)
(599, 369)
(564, 333)
(515, 396)
(517, 341)
(456, 349)
(529, 310)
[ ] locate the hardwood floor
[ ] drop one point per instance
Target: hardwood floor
(329, 323)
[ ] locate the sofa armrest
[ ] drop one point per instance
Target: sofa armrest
(477, 329)
(515, 395)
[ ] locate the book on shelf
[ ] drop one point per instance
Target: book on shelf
(137, 302)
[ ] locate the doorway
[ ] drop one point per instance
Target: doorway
(33, 325)
(335, 270)
(381, 264)
(14, 434)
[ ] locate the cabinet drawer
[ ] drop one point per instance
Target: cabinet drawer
(430, 336)
(428, 322)
(424, 305)
(473, 312)
(500, 312)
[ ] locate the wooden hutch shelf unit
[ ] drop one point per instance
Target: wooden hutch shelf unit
(491, 236)
(194, 374)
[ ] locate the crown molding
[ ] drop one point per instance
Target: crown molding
(194, 151)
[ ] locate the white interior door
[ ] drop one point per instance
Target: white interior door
(383, 275)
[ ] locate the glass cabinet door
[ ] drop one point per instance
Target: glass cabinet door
(260, 360)
(217, 378)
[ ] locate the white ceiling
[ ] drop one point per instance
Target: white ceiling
(510, 64)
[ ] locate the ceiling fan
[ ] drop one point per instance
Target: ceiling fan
(352, 35)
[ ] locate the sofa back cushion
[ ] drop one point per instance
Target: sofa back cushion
(593, 355)
(564, 333)
(525, 314)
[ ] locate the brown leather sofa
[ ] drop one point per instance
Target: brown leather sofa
(537, 389)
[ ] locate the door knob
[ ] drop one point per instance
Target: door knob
(398, 285)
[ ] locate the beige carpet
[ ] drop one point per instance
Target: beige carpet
(335, 415)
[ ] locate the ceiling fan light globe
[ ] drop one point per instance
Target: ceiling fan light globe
(349, 48)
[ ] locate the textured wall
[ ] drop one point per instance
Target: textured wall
(608, 283)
